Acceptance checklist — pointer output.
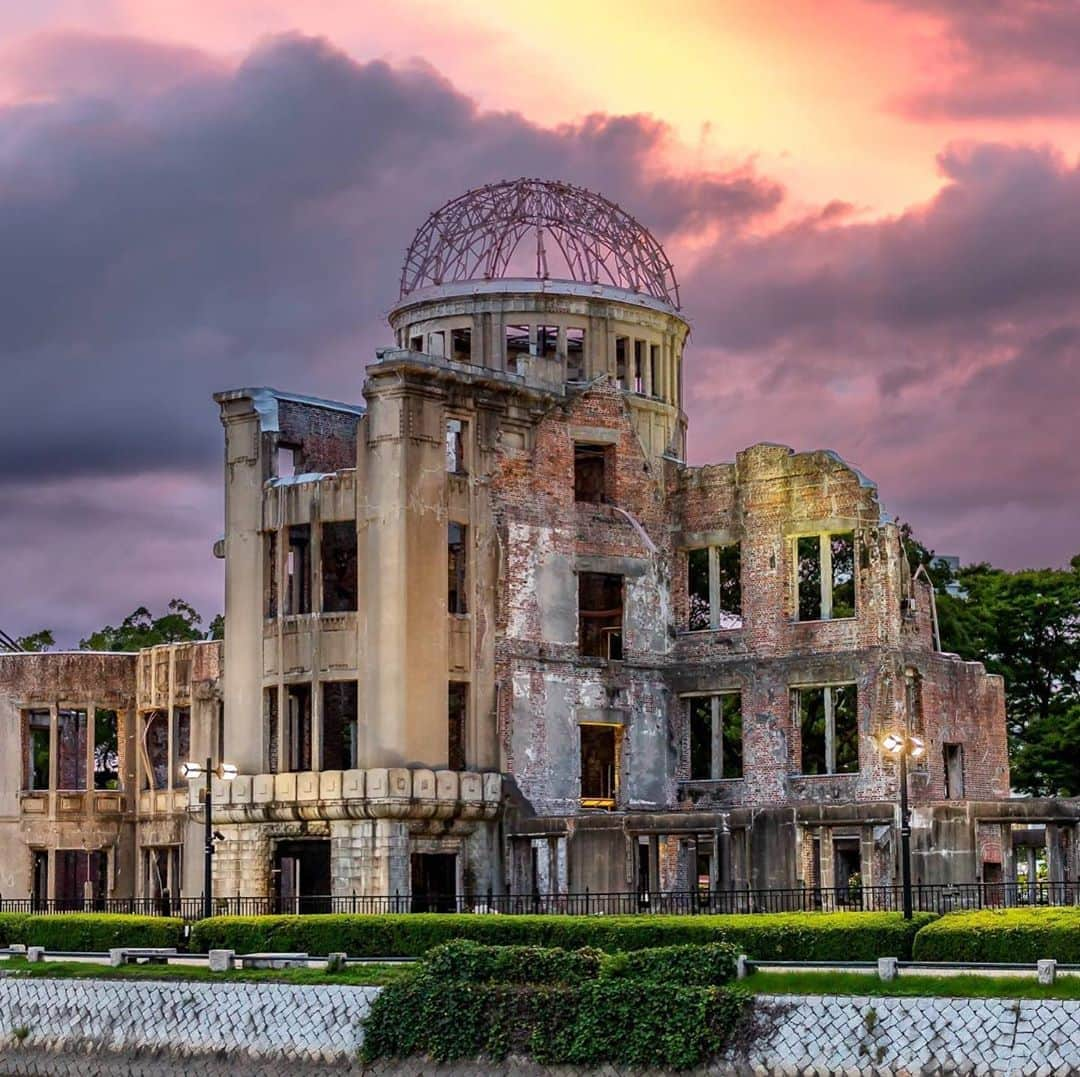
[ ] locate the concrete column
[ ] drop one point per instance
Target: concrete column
(825, 845)
(646, 364)
(245, 471)
(723, 855)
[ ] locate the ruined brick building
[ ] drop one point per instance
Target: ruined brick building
(488, 631)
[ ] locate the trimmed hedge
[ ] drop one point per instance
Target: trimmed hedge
(635, 1023)
(1002, 935)
(473, 962)
(90, 931)
(711, 965)
(847, 936)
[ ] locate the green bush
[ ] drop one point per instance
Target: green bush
(1002, 935)
(844, 936)
(710, 965)
(11, 927)
(95, 931)
(623, 1021)
(476, 963)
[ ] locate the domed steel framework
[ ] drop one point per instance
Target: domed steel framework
(474, 237)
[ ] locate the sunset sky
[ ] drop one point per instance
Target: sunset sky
(873, 207)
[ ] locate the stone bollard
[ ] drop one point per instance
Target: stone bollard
(887, 968)
(335, 962)
(35, 953)
(222, 960)
(742, 967)
(1046, 970)
(116, 957)
(17, 948)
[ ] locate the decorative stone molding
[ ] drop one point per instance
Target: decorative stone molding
(379, 793)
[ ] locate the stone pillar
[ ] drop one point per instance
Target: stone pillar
(828, 871)
(723, 855)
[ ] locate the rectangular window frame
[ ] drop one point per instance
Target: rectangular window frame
(822, 588)
(724, 732)
(617, 731)
(604, 641)
(834, 744)
(718, 617)
(457, 569)
(38, 762)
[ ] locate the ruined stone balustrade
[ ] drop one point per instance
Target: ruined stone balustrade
(379, 793)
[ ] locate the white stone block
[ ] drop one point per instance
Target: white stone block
(352, 784)
(262, 788)
(335, 962)
(35, 953)
(307, 786)
(1046, 970)
(330, 785)
(742, 967)
(400, 782)
(378, 783)
(241, 789)
(493, 787)
(285, 788)
(222, 960)
(446, 784)
(423, 784)
(887, 968)
(116, 957)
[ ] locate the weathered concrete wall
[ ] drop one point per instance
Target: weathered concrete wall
(88, 1027)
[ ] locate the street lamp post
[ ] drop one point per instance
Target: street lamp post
(226, 772)
(904, 746)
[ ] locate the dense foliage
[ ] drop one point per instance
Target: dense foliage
(1002, 935)
(710, 965)
(1024, 626)
(476, 963)
(794, 936)
(76, 932)
(470, 1001)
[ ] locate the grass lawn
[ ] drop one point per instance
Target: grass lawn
(858, 983)
(353, 975)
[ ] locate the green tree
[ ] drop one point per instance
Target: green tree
(36, 641)
(140, 629)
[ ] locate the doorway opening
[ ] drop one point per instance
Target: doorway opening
(434, 882)
(302, 876)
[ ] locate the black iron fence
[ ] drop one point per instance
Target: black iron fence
(930, 898)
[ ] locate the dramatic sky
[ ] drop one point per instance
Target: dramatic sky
(873, 205)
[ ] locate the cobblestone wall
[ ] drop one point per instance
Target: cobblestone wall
(138, 1028)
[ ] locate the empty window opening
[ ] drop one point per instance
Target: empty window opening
(434, 882)
(954, 771)
(714, 587)
(825, 576)
(298, 570)
(457, 568)
(287, 459)
(155, 741)
(416, 344)
(622, 347)
(575, 355)
(338, 554)
(38, 751)
(71, 749)
(340, 744)
(654, 369)
(181, 741)
(639, 366)
(455, 446)
(270, 573)
(106, 750)
(457, 712)
(517, 347)
(298, 727)
(599, 763)
(81, 877)
(716, 736)
(461, 345)
(600, 615)
(547, 341)
(842, 556)
(437, 344)
(590, 473)
(270, 722)
(828, 723)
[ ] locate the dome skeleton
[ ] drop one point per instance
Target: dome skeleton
(475, 236)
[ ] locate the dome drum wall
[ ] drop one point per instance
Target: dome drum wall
(555, 335)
